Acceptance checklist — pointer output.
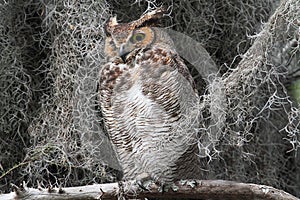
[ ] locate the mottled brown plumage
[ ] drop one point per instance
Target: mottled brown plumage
(149, 102)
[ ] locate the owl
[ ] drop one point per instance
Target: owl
(149, 102)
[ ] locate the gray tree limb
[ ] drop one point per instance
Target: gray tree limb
(200, 189)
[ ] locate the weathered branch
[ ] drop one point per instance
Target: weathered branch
(206, 189)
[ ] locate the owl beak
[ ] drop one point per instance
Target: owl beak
(123, 52)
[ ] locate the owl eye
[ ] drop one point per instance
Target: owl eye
(137, 37)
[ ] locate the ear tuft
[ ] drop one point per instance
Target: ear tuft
(113, 21)
(110, 24)
(150, 17)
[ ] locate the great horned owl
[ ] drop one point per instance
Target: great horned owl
(148, 100)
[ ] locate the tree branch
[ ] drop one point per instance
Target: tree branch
(271, 43)
(206, 189)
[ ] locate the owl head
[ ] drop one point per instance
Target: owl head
(125, 40)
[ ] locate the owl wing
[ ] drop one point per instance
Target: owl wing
(159, 85)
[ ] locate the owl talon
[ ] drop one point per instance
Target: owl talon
(166, 187)
(144, 181)
(192, 183)
(174, 188)
(144, 185)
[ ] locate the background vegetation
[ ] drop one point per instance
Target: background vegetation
(51, 132)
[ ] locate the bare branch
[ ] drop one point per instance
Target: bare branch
(206, 189)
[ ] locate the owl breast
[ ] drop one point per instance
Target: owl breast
(148, 106)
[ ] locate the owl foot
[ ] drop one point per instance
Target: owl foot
(166, 187)
(191, 183)
(144, 181)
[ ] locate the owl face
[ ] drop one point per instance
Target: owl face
(127, 43)
(125, 40)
